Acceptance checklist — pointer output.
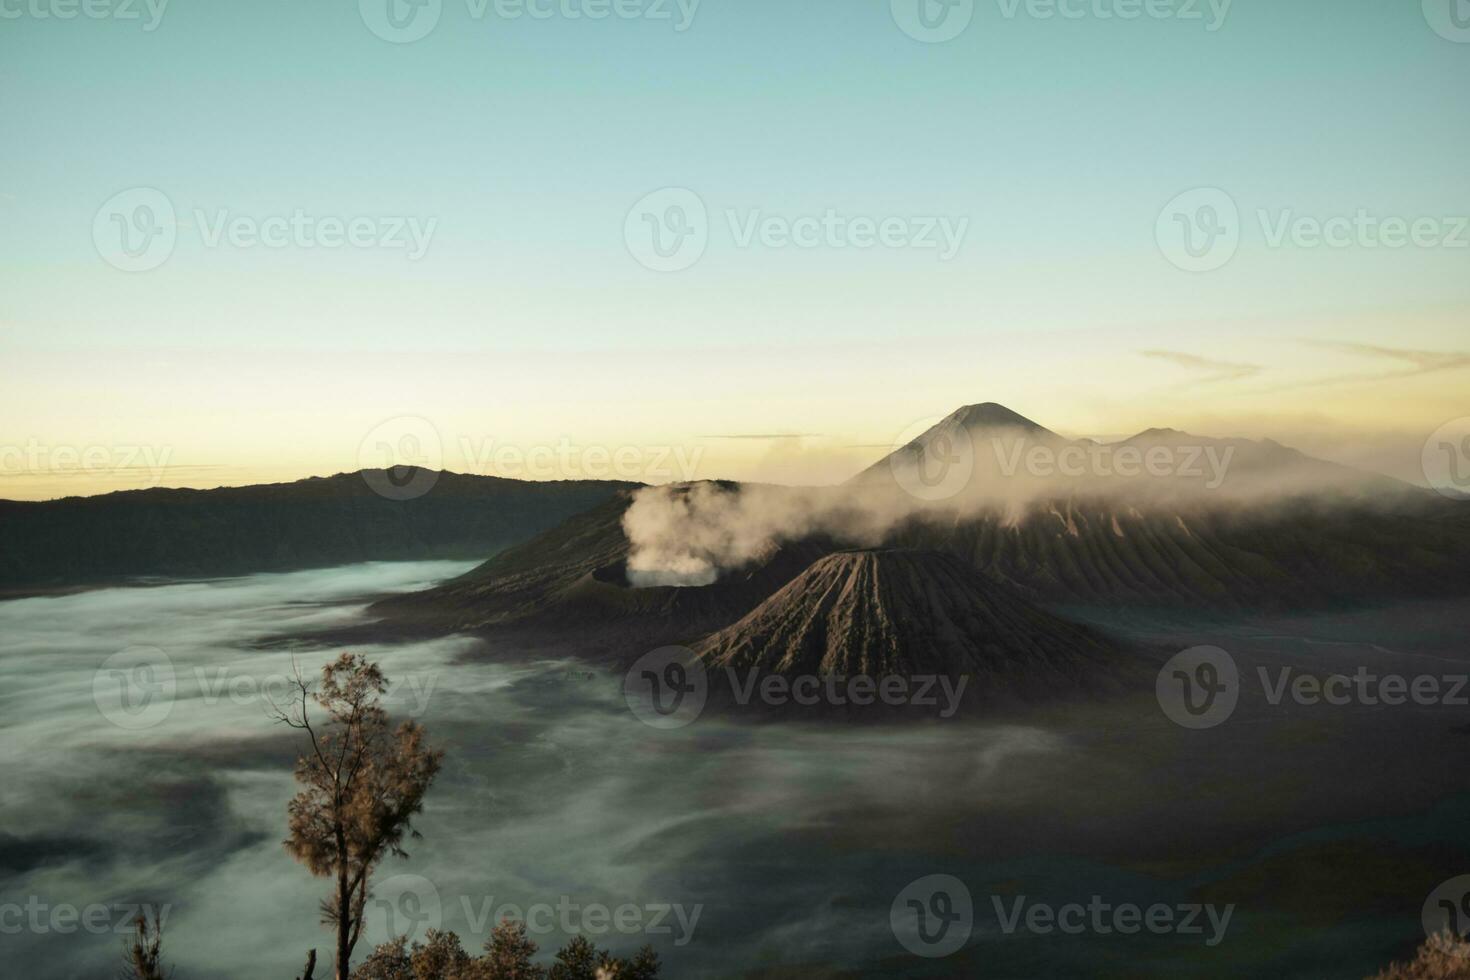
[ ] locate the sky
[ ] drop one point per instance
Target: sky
(754, 240)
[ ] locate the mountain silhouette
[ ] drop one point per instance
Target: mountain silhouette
(312, 523)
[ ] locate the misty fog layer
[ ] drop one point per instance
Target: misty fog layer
(552, 788)
(779, 844)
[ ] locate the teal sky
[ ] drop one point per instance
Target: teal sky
(528, 141)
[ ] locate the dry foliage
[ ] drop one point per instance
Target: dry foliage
(1442, 957)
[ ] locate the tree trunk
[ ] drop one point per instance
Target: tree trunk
(344, 925)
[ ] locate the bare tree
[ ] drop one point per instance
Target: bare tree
(362, 783)
(143, 956)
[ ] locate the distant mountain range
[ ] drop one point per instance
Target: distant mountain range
(999, 453)
(981, 539)
(968, 584)
(317, 522)
(1280, 529)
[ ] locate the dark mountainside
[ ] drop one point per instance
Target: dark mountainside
(885, 612)
(1283, 530)
(316, 522)
(1301, 554)
(567, 590)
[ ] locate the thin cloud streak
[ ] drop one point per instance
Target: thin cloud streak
(767, 436)
(1420, 362)
(1216, 371)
